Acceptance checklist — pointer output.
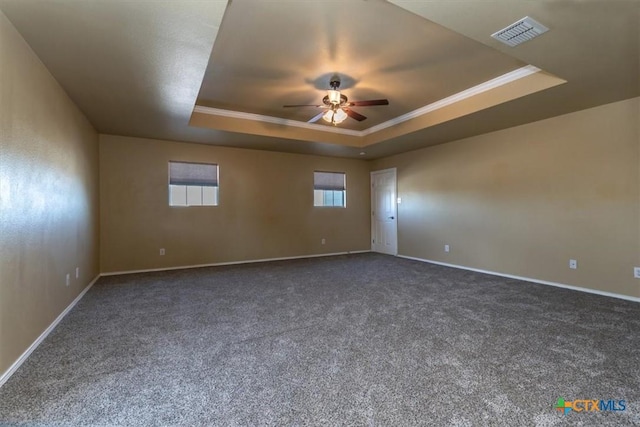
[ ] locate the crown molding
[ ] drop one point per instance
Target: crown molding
(460, 96)
(270, 119)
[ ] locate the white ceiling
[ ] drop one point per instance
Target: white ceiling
(139, 67)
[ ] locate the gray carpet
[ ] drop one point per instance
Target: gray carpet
(352, 340)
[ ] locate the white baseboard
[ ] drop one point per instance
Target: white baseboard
(527, 279)
(7, 374)
(218, 264)
(13, 368)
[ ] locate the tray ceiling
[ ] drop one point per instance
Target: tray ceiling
(209, 71)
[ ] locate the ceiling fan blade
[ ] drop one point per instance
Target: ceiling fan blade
(357, 116)
(316, 118)
(368, 103)
(303, 105)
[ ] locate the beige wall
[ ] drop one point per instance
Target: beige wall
(520, 201)
(48, 197)
(525, 200)
(265, 211)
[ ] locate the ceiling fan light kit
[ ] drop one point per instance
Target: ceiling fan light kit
(337, 103)
(335, 117)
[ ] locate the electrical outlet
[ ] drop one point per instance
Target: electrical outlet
(446, 248)
(636, 272)
(68, 281)
(324, 241)
(573, 264)
(161, 251)
(77, 272)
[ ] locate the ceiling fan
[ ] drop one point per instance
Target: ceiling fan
(337, 105)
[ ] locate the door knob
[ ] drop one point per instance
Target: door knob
(392, 217)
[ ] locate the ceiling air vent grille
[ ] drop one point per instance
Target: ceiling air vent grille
(520, 32)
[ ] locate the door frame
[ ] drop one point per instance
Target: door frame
(372, 202)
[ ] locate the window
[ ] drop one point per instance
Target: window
(193, 184)
(329, 189)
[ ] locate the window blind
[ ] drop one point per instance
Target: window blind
(329, 181)
(202, 174)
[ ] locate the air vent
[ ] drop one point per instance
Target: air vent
(520, 32)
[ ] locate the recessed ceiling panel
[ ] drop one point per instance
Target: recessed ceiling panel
(136, 67)
(271, 53)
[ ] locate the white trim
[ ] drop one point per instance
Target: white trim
(23, 357)
(270, 119)
(385, 171)
(217, 264)
(460, 96)
(527, 279)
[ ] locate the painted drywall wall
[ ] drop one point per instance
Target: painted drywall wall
(49, 202)
(526, 200)
(265, 211)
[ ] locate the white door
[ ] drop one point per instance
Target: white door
(384, 215)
